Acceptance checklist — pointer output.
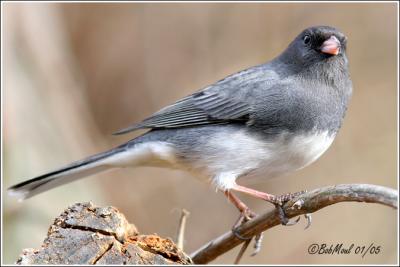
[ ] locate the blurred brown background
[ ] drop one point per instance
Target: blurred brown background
(75, 73)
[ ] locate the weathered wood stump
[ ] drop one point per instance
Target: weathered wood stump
(86, 234)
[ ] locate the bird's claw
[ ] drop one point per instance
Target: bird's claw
(238, 236)
(294, 222)
(283, 218)
(279, 201)
(309, 220)
(246, 216)
(257, 244)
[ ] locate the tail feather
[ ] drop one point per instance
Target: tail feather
(67, 174)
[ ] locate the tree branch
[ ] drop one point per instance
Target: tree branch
(308, 202)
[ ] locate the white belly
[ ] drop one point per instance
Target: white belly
(240, 155)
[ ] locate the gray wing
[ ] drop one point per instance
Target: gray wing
(198, 109)
(224, 102)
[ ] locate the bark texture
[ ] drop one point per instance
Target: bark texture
(86, 234)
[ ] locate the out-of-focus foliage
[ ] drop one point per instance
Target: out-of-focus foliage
(75, 73)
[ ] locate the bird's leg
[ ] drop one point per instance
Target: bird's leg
(278, 201)
(245, 215)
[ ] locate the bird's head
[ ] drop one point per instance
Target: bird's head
(319, 44)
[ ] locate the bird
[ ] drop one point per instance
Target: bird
(262, 122)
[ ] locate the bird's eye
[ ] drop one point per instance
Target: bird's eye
(306, 39)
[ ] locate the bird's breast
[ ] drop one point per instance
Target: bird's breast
(248, 156)
(290, 152)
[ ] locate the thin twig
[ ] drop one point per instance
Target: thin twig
(181, 229)
(308, 202)
(242, 250)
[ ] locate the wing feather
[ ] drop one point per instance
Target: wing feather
(222, 102)
(194, 111)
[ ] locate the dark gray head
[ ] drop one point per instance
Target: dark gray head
(316, 45)
(315, 67)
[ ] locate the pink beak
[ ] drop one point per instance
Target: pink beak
(331, 46)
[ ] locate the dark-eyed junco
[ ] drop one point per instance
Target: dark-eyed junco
(259, 123)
